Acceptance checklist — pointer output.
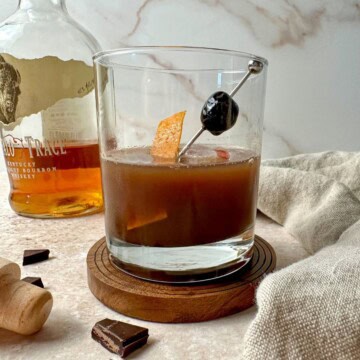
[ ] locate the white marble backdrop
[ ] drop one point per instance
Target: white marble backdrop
(313, 47)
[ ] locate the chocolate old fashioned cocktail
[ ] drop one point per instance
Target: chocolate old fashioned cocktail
(177, 212)
(196, 201)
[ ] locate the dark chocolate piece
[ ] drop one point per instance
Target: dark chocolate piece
(34, 256)
(34, 280)
(119, 337)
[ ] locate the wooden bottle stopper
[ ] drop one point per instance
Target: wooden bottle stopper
(24, 308)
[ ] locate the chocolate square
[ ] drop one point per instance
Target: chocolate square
(34, 256)
(34, 281)
(119, 337)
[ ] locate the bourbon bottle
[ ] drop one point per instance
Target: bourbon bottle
(47, 112)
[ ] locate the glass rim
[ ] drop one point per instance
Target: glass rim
(101, 55)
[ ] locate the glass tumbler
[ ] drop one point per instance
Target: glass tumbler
(192, 218)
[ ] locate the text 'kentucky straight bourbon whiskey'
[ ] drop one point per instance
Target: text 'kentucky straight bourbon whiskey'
(47, 112)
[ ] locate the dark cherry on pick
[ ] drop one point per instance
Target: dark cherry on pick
(219, 113)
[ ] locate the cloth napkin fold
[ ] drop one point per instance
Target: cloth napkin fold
(311, 309)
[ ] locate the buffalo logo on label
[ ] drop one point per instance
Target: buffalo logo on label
(9, 91)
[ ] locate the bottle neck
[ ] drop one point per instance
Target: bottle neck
(42, 4)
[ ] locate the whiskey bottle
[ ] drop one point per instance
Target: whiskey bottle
(47, 112)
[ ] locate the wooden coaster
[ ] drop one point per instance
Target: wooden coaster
(167, 303)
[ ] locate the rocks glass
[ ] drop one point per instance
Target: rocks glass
(192, 218)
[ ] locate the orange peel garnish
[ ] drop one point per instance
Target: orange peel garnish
(168, 135)
(143, 220)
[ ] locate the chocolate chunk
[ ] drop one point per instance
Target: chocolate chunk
(34, 256)
(34, 280)
(119, 337)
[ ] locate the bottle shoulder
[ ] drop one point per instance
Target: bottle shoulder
(61, 36)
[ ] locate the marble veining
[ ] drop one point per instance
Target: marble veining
(312, 101)
(275, 23)
(278, 23)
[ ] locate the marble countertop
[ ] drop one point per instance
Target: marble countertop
(312, 96)
(66, 334)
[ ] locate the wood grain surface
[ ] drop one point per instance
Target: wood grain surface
(24, 307)
(167, 303)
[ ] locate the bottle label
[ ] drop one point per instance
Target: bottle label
(27, 158)
(47, 118)
(31, 86)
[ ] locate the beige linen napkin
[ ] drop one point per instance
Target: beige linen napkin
(311, 309)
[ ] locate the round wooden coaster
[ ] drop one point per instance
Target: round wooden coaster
(169, 303)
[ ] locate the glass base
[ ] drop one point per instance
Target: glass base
(182, 264)
(58, 205)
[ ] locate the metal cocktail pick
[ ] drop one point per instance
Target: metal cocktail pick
(215, 113)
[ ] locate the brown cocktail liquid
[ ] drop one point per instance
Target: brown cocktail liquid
(65, 184)
(208, 197)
